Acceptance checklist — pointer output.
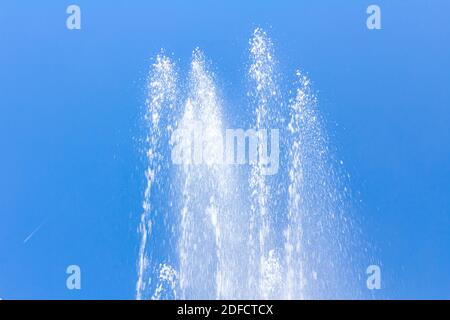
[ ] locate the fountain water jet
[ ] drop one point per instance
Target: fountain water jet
(222, 231)
(159, 116)
(207, 205)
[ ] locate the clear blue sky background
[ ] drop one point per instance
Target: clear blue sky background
(70, 120)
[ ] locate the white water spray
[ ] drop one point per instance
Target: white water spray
(160, 105)
(265, 94)
(215, 231)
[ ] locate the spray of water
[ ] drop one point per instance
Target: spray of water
(160, 104)
(219, 231)
(204, 185)
(265, 94)
(318, 235)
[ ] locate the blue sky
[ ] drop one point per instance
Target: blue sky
(71, 107)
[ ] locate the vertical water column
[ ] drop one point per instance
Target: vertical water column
(318, 240)
(205, 190)
(159, 115)
(301, 129)
(267, 278)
